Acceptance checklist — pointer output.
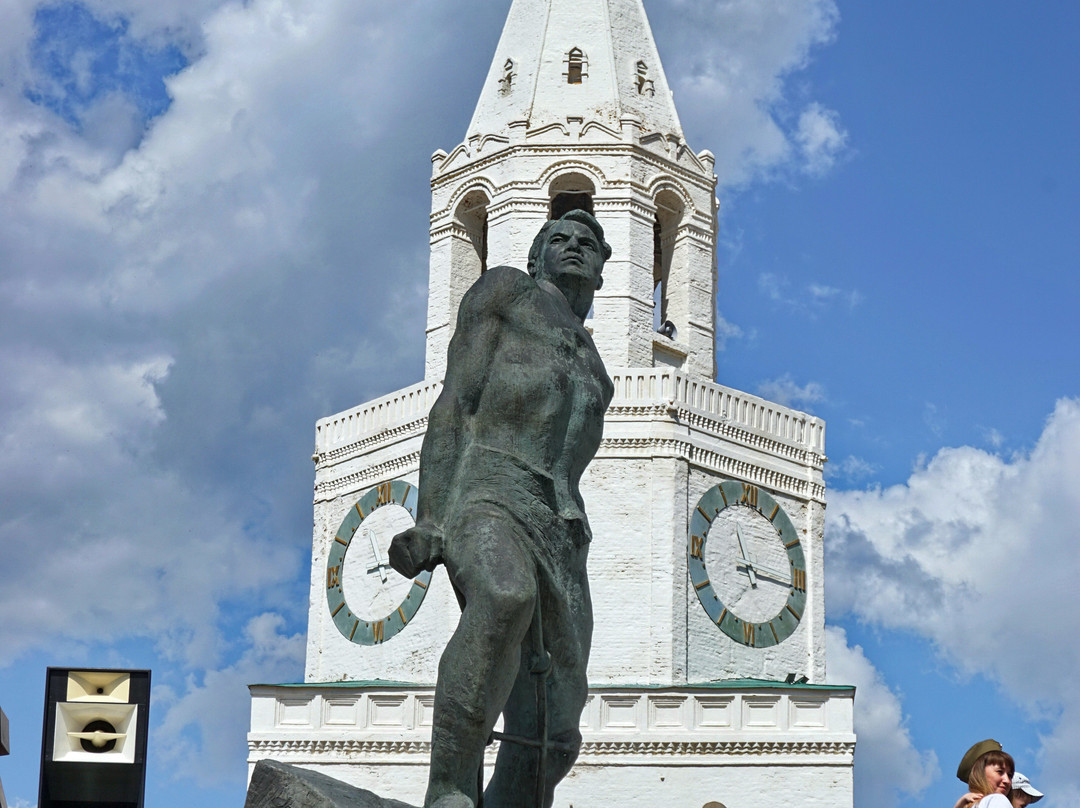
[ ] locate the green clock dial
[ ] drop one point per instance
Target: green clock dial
(368, 600)
(746, 564)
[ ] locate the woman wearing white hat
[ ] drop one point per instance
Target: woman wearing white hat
(1023, 793)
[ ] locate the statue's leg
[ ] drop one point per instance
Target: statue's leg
(567, 630)
(568, 685)
(514, 781)
(477, 670)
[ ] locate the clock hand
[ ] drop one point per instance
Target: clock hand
(779, 577)
(380, 565)
(750, 573)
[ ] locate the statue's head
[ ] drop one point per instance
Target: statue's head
(577, 234)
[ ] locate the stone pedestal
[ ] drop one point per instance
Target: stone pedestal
(274, 785)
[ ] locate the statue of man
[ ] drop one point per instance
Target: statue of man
(520, 417)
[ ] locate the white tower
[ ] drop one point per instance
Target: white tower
(707, 504)
(576, 106)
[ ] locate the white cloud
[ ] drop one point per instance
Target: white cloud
(887, 764)
(203, 732)
(820, 138)
(935, 418)
(729, 61)
(775, 287)
(851, 469)
(725, 331)
(145, 553)
(811, 299)
(178, 306)
(973, 552)
(785, 391)
(821, 294)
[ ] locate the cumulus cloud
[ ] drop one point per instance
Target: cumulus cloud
(730, 61)
(203, 733)
(976, 540)
(143, 552)
(182, 297)
(887, 764)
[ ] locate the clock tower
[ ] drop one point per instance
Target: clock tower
(707, 672)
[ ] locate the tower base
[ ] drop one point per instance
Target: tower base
(742, 743)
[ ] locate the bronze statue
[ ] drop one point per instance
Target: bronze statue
(520, 417)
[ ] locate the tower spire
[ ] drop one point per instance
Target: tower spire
(590, 59)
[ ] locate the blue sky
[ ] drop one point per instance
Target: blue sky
(213, 222)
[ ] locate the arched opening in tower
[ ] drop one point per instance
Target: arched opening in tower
(569, 192)
(471, 220)
(669, 215)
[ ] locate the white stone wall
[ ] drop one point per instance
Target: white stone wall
(356, 450)
(745, 744)
(667, 440)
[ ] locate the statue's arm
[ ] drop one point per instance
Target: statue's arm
(476, 337)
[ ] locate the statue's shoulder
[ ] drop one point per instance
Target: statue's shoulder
(497, 288)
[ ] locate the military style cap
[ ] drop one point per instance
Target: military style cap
(973, 754)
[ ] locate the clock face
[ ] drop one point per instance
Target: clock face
(368, 600)
(746, 564)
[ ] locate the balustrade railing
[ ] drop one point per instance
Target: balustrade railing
(376, 416)
(633, 388)
(638, 387)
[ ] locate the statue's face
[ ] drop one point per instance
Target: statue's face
(572, 250)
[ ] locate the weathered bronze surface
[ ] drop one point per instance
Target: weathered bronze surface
(519, 419)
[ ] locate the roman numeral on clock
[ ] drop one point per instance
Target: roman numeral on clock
(798, 579)
(748, 633)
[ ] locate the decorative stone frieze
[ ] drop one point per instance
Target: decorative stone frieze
(629, 733)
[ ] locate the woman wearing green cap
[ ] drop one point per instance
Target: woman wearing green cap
(988, 772)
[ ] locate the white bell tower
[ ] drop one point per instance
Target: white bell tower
(576, 112)
(707, 670)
